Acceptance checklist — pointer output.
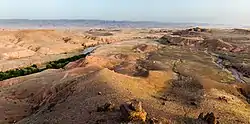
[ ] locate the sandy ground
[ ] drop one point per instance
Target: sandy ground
(175, 77)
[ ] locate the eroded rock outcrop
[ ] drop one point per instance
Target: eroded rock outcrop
(132, 111)
(209, 118)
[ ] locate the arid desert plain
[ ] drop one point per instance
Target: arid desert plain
(153, 76)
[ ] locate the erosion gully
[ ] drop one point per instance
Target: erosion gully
(219, 62)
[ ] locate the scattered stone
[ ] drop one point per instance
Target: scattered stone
(106, 107)
(136, 105)
(132, 111)
(141, 72)
(193, 103)
(99, 93)
(223, 98)
(209, 118)
(34, 108)
(154, 121)
(66, 39)
(51, 105)
(164, 98)
(163, 103)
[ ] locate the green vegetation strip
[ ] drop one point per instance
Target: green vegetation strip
(34, 69)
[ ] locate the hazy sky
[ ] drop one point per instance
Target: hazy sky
(211, 11)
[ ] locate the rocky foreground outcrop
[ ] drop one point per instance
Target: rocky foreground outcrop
(132, 111)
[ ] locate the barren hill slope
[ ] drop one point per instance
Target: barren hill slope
(175, 80)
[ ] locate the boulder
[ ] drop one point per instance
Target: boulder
(209, 118)
(132, 111)
(106, 107)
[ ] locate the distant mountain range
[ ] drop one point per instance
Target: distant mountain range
(67, 23)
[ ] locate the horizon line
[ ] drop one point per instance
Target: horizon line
(51, 19)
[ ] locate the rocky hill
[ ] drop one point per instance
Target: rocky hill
(193, 76)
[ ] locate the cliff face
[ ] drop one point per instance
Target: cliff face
(173, 83)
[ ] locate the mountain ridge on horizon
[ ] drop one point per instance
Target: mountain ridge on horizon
(29, 23)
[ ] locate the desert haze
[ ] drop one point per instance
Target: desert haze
(156, 76)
